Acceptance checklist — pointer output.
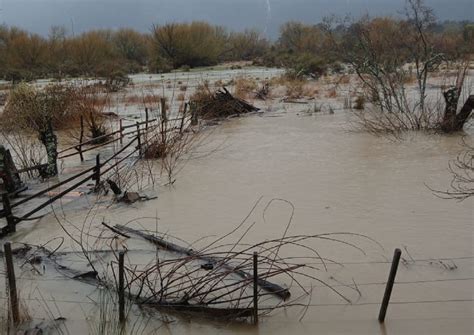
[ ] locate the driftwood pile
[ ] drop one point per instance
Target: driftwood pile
(220, 104)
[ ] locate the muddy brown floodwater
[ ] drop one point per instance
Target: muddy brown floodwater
(338, 181)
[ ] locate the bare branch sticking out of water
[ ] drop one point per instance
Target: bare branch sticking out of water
(216, 279)
(462, 171)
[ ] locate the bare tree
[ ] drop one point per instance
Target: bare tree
(386, 55)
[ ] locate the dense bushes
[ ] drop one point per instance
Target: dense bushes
(26, 56)
(191, 44)
(59, 106)
(306, 50)
(104, 53)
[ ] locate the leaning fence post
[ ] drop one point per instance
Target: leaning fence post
(146, 119)
(12, 283)
(81, 138)
(121, 131)
(7, 209)
(163, 110)
(121, 290)
(194, 115)
(97, 170)
(255, 288)
(389, 287)
(139, 145)
(182, 119)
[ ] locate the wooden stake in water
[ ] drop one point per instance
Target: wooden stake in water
(146, 119)
(139, 138)
(121, 131)
(121, 290)
(389, 287)
(97, 171)
(81, 138)
(183, 118)
(12, 283)
(255, 288)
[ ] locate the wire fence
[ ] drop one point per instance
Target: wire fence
(95, 172)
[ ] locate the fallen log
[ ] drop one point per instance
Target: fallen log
(275, 289)
(221, 313)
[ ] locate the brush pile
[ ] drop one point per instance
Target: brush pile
(220, 104)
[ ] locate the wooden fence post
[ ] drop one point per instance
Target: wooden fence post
(255, 288)
(139, 146)
(121, 131)
(12, 283)
(7, 209)
(121, 289)
(164, 118)
(194, 115)
(182, 119)
(97, 171)
(146, 119)
(81, 138)
(389, 287)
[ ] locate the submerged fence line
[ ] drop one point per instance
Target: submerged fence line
(249, 312)
(96, 171)
(91, 173)
(65, 278)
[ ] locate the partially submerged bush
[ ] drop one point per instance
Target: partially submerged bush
(29, 108)
(244, 86)
(116, 81)
(379, 51)
(294, 88)
(306, 65)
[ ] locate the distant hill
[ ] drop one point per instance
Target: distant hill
(265, 15)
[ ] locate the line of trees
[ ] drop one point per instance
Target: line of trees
(104, 53)
(306, 49)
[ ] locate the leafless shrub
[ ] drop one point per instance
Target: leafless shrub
(31, 109)
(244, 86)
(462, 171)
(386, 55)
(378, 122)
(26, 149)
(294, 89)
(7, 326)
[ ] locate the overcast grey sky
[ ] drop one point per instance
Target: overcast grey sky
(265, 15)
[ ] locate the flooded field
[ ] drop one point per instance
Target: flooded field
(315, 171)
